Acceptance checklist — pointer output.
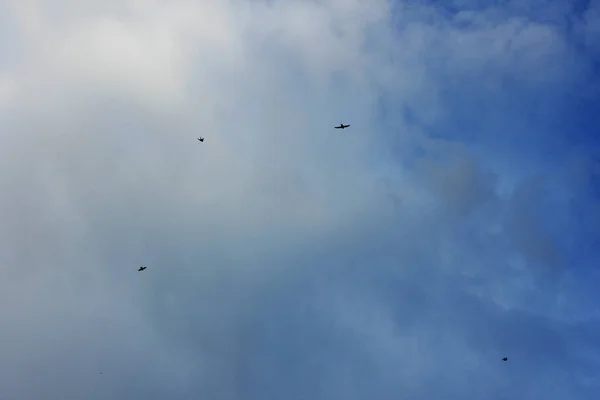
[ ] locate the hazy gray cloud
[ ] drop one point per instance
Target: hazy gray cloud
(403, 257)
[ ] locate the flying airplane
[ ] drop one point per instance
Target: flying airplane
(505, 359)
(342, 126)
(201, 139)
(141, 268)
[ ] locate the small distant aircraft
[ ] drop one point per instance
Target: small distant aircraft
(505, 359)
(201, 139)
(342, 126)
(141, 268)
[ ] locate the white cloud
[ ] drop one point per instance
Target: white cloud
(285, 258)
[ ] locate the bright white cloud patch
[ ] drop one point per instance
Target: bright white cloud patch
(452, 224)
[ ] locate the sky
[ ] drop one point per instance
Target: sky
(454, 223)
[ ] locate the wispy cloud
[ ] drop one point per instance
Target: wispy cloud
(454, 223)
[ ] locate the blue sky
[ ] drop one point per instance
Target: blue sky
(454, 223)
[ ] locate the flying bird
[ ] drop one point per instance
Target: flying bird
(342, 126)
(505, 359)
(141, 268)
(201, 139)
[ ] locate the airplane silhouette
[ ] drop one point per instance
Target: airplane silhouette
(141, 268)
(342, 126)
(201, 139)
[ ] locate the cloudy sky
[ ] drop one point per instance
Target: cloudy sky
(457, 221)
